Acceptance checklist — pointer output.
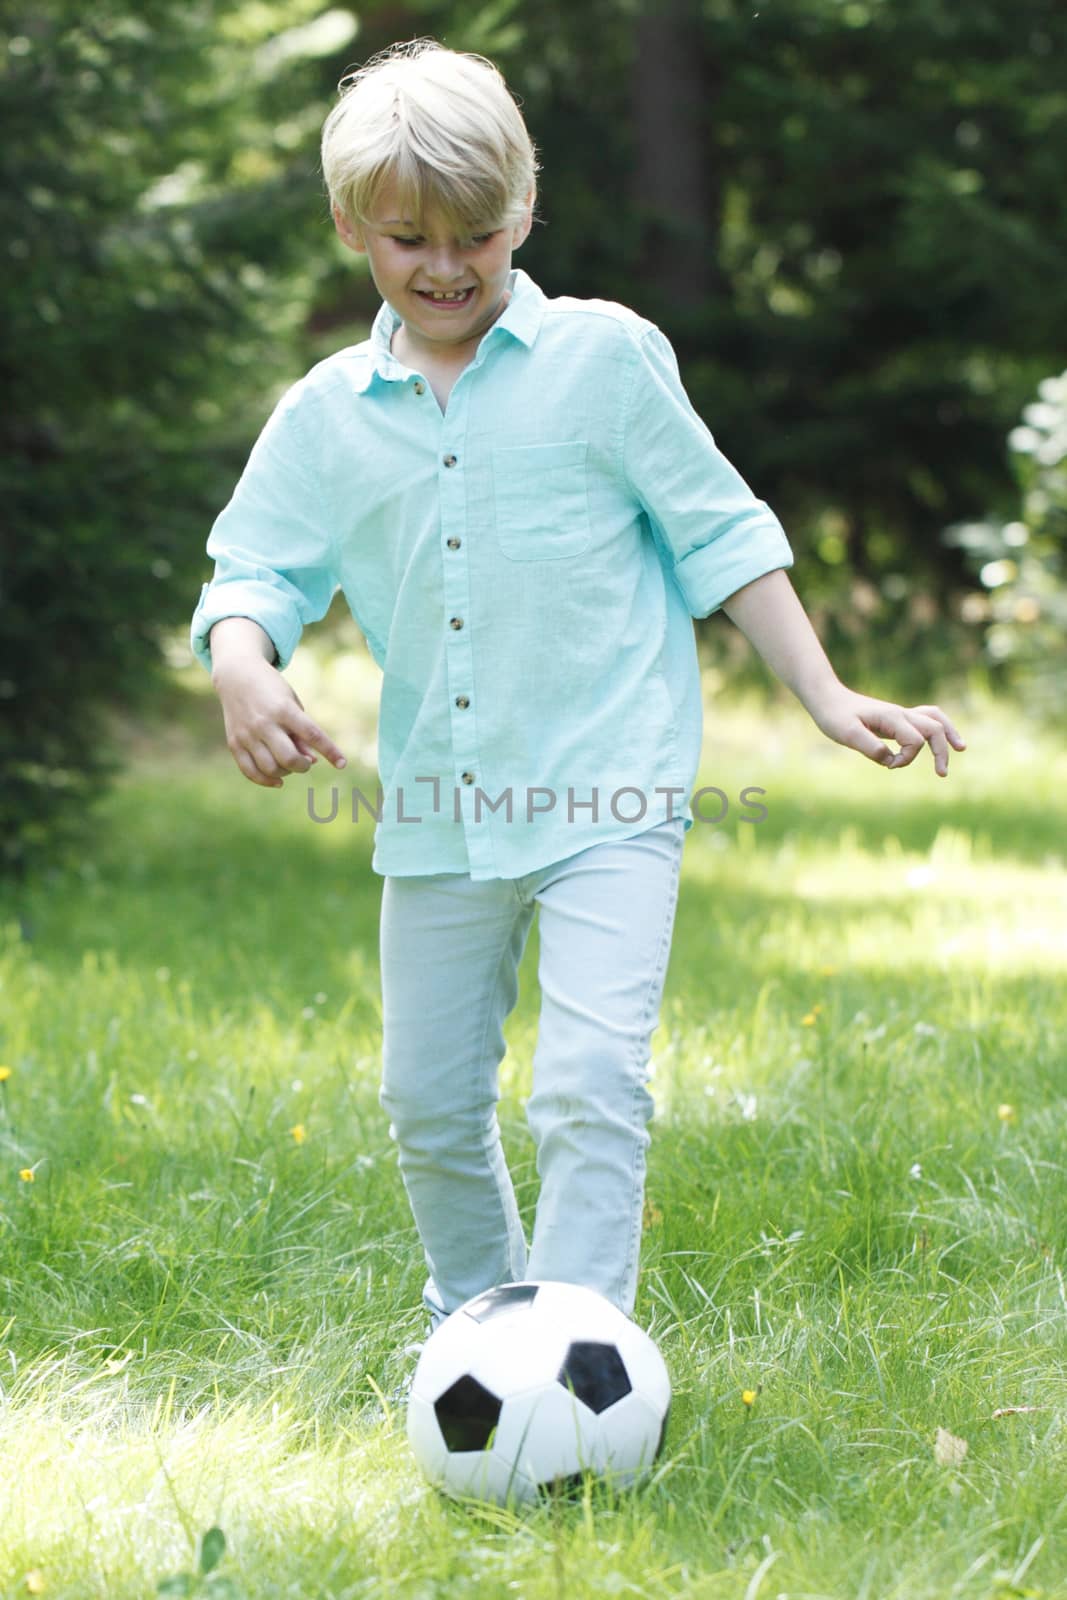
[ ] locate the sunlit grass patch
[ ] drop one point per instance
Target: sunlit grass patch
(854, 1240)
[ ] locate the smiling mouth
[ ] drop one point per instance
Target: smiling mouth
(448, 301)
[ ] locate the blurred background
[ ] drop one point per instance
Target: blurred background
(847, 216)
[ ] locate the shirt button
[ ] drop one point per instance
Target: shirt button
(449, 461)
(462, 702)
(419, 386)
(456, 622)
(468, 777)
(453, 544)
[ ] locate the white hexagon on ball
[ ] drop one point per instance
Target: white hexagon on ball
(533, 1383)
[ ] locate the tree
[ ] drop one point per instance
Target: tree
(153, 216)
(882, 236)
(846, 217)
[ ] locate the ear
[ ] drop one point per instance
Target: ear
(521, 230)
(351, 236)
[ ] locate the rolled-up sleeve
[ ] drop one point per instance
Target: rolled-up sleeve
(272, 544)
(712, 532)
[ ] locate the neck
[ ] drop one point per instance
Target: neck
(410, 354)
(410, 351)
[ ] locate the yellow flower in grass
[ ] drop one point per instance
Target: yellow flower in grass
(5, 1073)
(748, 1396)
(27, 1174)
(1006, 1113)
(299, 1133)
(34, 1582)
(809, 1021)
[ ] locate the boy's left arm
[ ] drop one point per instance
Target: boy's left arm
(770, 615)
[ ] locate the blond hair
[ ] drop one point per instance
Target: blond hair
(444, 125)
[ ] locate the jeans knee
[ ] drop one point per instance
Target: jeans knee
(418, 1126)
(623, 1108)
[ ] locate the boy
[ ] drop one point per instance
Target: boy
(525, 515)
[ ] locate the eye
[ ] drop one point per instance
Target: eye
(476, 239)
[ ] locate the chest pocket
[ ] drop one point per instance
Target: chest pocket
(541, 500)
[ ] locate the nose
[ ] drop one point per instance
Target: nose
(444, 266)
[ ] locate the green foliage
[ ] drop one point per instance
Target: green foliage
(872, 252)
(1021, 562)
(150, 187)
(846, 216)
(851, 233)
(205, 1581)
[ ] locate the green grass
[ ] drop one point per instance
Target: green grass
(200, 1315)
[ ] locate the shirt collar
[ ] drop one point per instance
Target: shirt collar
(521, 317)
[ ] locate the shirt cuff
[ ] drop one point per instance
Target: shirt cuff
(743, 553)
(257, 601)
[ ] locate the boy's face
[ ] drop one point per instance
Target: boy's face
(408, 268)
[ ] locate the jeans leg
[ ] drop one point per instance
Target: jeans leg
(606, 923)
(450, 953)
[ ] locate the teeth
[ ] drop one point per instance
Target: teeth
(460, 294)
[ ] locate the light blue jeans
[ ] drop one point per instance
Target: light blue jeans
(450, 952)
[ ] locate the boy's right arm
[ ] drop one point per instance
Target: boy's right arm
(268, 732)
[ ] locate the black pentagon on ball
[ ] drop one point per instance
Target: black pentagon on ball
(467, 1413)
(570, 1486)
(596, 1373)
(505, 1297)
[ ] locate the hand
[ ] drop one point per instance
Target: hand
(267, 730)
(854, 719)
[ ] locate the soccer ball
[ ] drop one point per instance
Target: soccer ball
(532, 1383)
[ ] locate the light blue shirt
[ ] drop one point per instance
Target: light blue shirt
(525, 568)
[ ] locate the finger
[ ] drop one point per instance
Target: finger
(266, 763)
(297, 756)
(860, 738)
(314, 737)
(246, 762)
(251, 771)
(932, 724)
(955, 737)
(909, 740)
(916, 729)
(280, 752)
(909, 749)
(882, 717)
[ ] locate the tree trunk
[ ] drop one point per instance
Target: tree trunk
(675, 195)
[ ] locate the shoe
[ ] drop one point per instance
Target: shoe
(398, 1396)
